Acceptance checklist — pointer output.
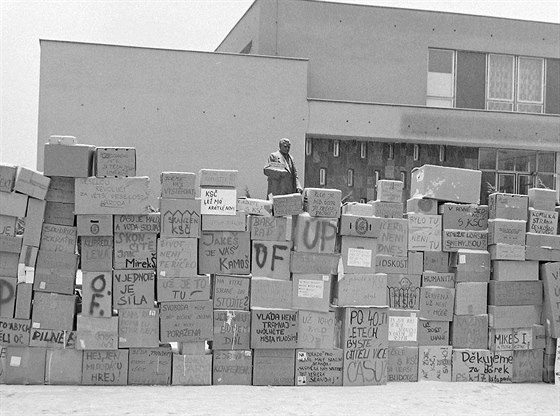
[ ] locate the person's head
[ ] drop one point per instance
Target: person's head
(284, 146)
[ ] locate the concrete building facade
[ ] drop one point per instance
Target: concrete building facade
(366, 93)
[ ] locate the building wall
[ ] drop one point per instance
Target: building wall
(182, 110)
(376, 54)
(245, 31)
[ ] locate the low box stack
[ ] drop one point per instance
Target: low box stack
(213, 288)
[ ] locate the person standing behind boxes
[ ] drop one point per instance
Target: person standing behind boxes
(281, 171)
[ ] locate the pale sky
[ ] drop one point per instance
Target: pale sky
(188, 24)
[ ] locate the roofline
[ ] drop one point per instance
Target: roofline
(235, 25)
(289, 58)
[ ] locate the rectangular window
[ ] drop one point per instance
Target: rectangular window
(416, 154)
(363, 150)
(500, 78)
(530, 81)
(441, 78)
(403, 178)
(336, 148)
(441, 153)
(308, 146)
(470, 85)
(350, 177)
(322, 176)
(552, 96)
(391, 154)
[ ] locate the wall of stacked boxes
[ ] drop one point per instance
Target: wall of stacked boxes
(97, 287)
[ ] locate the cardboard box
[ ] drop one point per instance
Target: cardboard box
(135, 251)
(364, 338)
(218, 177)
(311, 292)
(271, 293)
(403, 328)
(358, 254)
(415, 262)
(58, 238)
(315, 234)
(510, 339)
(105, 368)
(59, 213)
(61, 189)
(471, 298)
(515, 271)
(502, 367)
(24, 294)
(28, 256)
(25, 365)
(3, 363)
(177, 257)
(433, 333)
(384, 209)
(464, 216)
(360, 226)
(63, 367)
(446, 184)
(422, 206)
(393, 237)
(8, 296)
(186, 321)
(389, 191)
(31, 183)
(53, 311)
(96, 253)
(436, 303)
(542, 199)
(237, 222)
(542, 254)
(10, 244)
(542, 222)
(424, 232)
(273, 367)
(9, 264)
(232, 330)
(506, 231)
(149, 366)
(454, 240)
(543, 240)
(391, 264)
(527, 366)
(232, 368)
(112, 195)
(403, 291)
(508, 206)
(287, 205)
(52, 338)
(271, 259)
(436, 261)
(95, 225)
(231, 292)
(97, 333)
(138, 328)
(14, 332)
(55, 272)
(115, 161)
(178, 185)
(8, 225)
(402, 364)
(513, 316)
(13, 204)
(75, 161)
(434, 363)
(360, 290)
(218, 201)
(515, 293)
(192, 370)
(144, 223)
(7, 177)
(224, 252)
(321, 202)
(318, 367)
(181, 289)
(192, 348)
(470, 364)
(358, 209)
(469, 331)
(270, 228)
(133, 289)
(314, 263)
(316, 329)
(274, 329)
(438, 279)
(252, 206)
(550, 275)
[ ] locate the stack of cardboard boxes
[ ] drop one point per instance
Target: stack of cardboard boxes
(219, 289)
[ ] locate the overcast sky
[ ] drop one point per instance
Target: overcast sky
(188, 24)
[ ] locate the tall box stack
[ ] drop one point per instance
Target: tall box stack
(542, 239)
(550, 276)
(388, 202)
